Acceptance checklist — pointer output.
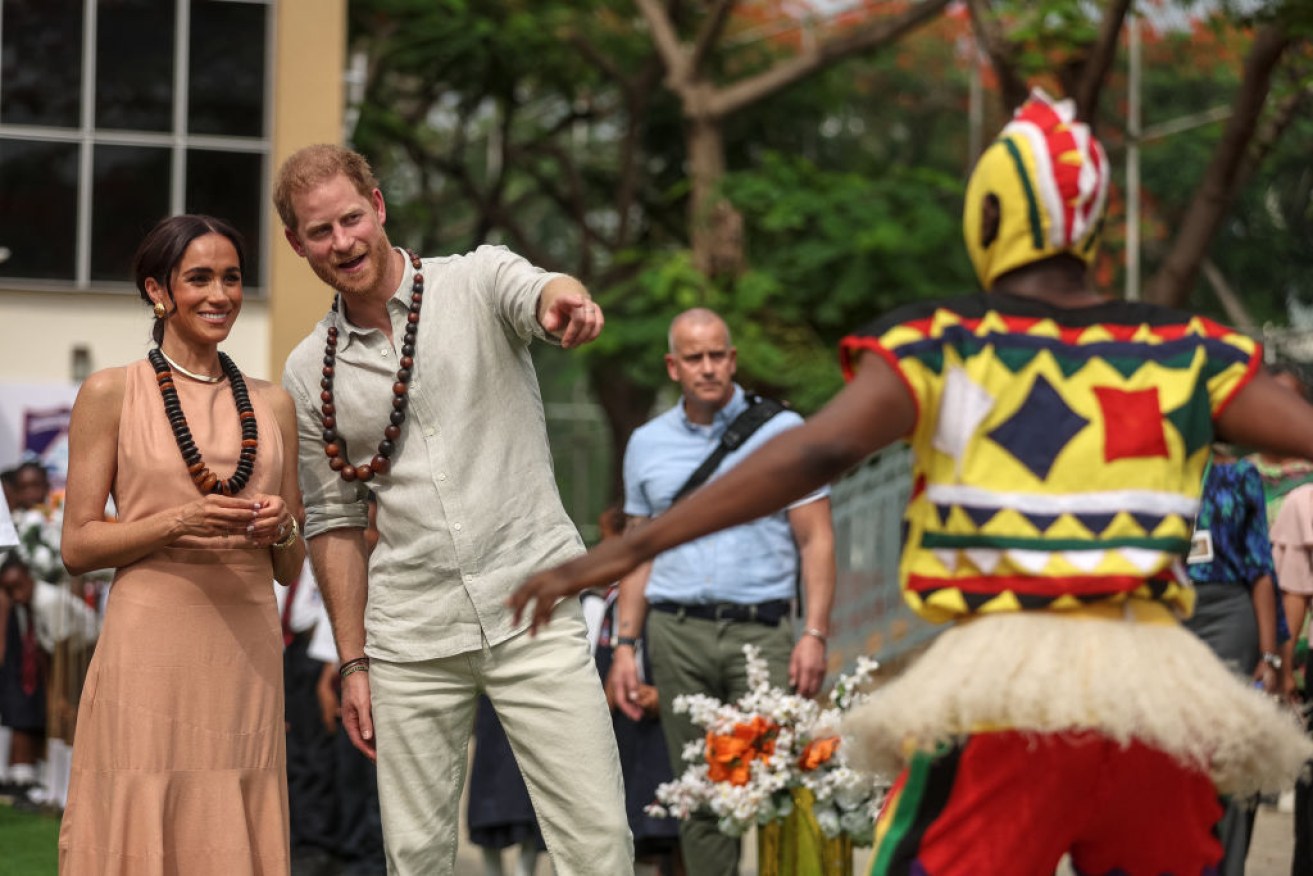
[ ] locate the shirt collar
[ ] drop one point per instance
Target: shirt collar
(349, 329)
(722, 418)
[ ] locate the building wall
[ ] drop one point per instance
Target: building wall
(310, 59)
(39, 330)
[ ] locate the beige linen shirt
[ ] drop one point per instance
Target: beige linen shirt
(470, 507)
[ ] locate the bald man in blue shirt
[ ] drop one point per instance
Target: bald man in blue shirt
(712, 596)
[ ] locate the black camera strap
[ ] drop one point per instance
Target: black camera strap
(760, 409)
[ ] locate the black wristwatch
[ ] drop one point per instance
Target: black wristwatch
(631, 641)
(1273, 659)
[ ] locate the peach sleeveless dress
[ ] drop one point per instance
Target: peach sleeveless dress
(179, 762)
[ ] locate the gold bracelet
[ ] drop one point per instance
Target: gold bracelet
(290, 538)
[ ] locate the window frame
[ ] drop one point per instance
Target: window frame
(178, 141)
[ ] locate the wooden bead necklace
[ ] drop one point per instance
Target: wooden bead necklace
(205, 480)
(334, 446)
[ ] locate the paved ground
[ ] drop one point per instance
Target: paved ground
(1269, 854)
(1274, 839)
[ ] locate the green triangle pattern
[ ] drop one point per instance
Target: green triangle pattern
(1015, 358)
(932, 358)
(1181, 360)
(1126, 366)
(1069, 365)
(1194, 420)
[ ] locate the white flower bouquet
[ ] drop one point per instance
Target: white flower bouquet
(770, 752)
(38, 543)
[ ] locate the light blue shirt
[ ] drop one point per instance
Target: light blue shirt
(754, 562)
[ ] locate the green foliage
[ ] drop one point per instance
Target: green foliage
(831, 250)
(1262, 248)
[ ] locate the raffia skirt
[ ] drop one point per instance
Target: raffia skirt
(1129, 672)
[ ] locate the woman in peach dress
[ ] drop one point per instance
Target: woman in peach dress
(178, 761)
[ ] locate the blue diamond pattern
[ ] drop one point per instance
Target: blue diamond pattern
(1040, 428)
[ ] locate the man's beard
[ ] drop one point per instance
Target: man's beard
(357, 284)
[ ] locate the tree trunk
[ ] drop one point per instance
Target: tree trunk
(715, 227)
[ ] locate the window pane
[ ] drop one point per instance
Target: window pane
(227, 185)
(134, 65)
(38, 225)
(130, 193)
(227, 69)
(41, 62)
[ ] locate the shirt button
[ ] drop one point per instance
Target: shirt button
(456, 526)
(469, 579)
(428, 432)
(384, 352)
(442, 475)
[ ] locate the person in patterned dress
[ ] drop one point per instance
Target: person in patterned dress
(1237, 611)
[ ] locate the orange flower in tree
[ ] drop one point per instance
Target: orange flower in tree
(817, 752)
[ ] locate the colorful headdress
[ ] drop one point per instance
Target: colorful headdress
(1051, 179)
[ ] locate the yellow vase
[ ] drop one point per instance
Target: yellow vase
(795, 846)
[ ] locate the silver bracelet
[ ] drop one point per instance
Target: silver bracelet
(813, 631)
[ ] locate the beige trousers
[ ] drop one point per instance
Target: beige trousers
(548, 695)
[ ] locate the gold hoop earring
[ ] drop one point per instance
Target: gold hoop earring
(160, 312)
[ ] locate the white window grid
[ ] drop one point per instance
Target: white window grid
(178, 141)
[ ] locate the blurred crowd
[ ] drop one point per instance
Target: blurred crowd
(49, 622)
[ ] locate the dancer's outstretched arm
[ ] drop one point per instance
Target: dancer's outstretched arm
(871, 412)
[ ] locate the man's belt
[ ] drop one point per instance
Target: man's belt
(769, 613)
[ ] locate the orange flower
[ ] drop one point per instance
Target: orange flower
(817, 752)
(729, 756)
(760, 733)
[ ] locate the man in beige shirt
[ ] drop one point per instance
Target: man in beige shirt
(419, 387)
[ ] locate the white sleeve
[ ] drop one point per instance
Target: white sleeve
(321, 645)
(594, 610)
(8, 535)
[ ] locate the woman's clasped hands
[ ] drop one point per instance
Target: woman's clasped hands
(262, 519)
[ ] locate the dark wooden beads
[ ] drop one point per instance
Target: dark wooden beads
(334, 446)
(205, 480)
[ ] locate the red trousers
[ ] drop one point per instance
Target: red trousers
(1011, 804)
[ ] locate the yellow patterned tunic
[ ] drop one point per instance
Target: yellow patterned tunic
(1059, 452)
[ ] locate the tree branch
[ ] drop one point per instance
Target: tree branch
(709, 35)
(1002, 54)
(667, 43)
(851, 41)
(1235, 309)
(1270, 131)
(1176, 277)
(603, 63)
(1095, 69)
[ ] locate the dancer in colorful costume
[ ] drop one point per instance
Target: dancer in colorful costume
(1060, 439)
